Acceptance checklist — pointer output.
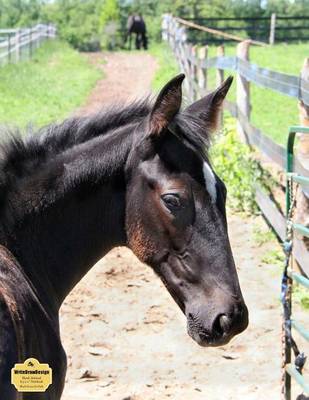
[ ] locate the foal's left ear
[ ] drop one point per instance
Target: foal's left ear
(167, 105)
(208, 108)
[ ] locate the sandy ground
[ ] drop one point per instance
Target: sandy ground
(126, 338)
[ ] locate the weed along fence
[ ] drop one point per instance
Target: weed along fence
(20, 44)
(195, 63)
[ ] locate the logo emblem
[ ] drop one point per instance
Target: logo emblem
(31, 376)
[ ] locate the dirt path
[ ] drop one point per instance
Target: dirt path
(127, 77)
(126, 338)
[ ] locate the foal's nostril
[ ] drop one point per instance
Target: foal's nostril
(221, 325)
(225, 323)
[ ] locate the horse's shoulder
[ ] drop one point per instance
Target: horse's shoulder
(21, 317)
(8, 348)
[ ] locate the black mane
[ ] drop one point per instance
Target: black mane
(24, 153)
(56, 138)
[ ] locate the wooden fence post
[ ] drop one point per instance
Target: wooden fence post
(243, 90)
(165, 27)
(302, 209)
(9, 48)
(187, 55)
(172, 35)
(202, 72)
(272, 29)
(304, 112)
(220, 72)
(30, 43)
(39, 35)
(185, 66)
(17, 45)
(194, 72)
(220, 79)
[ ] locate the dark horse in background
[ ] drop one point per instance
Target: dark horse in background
(136, 176)
(136, 24)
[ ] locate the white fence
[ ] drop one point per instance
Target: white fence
(20, 44)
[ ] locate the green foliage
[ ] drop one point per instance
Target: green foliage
(83, 24)
(301, 296)
(235, 165)
(110, 23)
(261, 237)
(110, 12)
(19, 12)
(273, 257)
(46, 88)
(78, 22)
(86, 23)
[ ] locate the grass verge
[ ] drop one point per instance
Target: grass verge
(168, 67)
(46, 88)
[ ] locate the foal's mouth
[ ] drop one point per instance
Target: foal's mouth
(202, 337)
(223, 330)
(206, 340)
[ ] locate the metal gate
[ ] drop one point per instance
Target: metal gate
(292, 368)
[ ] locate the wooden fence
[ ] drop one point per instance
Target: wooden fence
(19, 44)
(194, 62)
(274, 28)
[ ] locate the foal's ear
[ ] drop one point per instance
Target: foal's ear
(167, 105)
(208, 108)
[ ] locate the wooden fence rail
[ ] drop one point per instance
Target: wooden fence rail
(19, 44)
(215, 31)
(271, 29)
(194, 62)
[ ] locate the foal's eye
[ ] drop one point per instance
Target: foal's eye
(171, 201)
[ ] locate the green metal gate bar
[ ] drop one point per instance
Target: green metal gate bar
(291, 370)
(301, 229)
(299, 278)
(302, 180)
(300, 329)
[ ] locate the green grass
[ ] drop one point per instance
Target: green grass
(168, 67)
(300, 294)
(46, 88)
(262, 236)
(272, 112)
(273, 257)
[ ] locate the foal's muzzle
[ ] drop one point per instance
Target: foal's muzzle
(209, 328)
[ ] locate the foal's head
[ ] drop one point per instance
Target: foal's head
(175, 213)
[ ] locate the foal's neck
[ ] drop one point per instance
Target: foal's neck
(79, 220)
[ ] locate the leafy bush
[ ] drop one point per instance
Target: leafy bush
(300, 294)
(234, 163)
(86, 25)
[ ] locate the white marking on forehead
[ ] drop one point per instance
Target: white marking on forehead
(210, 181)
